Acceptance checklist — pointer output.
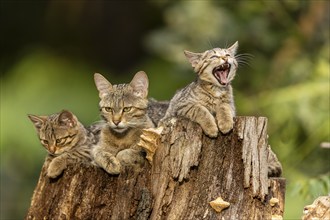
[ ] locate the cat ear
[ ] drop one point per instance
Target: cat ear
(37, 121)
(67, 118)
(193, 57)
(102, 84)
(233, 48)
(140, 84)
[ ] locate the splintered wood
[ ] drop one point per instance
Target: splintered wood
(253, 133)
(320, 209)
(150, 140)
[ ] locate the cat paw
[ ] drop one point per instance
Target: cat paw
(108, 162)
(149, 141)
(113, 168)
(211, 131)
(131, 158)
(226, 126)
(54, 170)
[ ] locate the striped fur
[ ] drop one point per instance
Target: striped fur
(208, 100)
(124, 108)
(65, 138)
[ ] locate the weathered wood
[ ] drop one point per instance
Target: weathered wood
(86, 192)
(188, 171)
(276, 197)
(319, 209)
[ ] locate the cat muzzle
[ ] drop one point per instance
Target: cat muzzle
(118, 128)
(52, 150)
(221, 73)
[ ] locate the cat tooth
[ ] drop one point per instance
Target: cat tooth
(219, 204)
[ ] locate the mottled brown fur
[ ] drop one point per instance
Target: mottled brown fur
(124, 108)
(209, 100)
(65, 138)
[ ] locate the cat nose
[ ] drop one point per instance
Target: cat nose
(52, 149)
(116, 122)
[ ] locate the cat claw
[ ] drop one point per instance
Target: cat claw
(150, 139)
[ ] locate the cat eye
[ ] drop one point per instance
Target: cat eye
(44, 142)
(107, 109)
(228, 55)
(61, 141)
(214, 56)
(127, 109)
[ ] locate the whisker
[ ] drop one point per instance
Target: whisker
(210, 44)
(245, 55)
(243, 62)
(226, 44)
(244, 59)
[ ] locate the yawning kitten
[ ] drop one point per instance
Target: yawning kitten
(209, 100)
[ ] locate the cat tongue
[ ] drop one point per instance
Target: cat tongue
(221, 75)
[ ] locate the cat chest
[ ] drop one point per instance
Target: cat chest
(213, 100)
(116, 144)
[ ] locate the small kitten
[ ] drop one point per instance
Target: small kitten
(209, 100)
(124, 108)
(65, 138)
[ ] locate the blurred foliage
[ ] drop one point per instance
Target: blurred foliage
(48, 60)
(312, 188)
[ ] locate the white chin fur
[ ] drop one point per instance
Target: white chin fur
(119, 130)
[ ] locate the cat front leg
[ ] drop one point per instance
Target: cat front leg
(225, 118)
(106, 160)
(203, 117)
(57, 165)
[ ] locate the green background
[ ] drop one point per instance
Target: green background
(51, 49)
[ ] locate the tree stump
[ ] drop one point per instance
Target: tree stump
(188, 171)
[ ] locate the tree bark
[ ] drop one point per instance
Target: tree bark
(188, 171)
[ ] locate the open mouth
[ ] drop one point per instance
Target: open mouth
(221, 73)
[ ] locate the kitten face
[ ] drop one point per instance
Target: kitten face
(58, 133)
(217, 66)
(123, 106)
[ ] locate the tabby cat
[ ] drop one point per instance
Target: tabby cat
(208, 100)
(124, 108)
(65, 138)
